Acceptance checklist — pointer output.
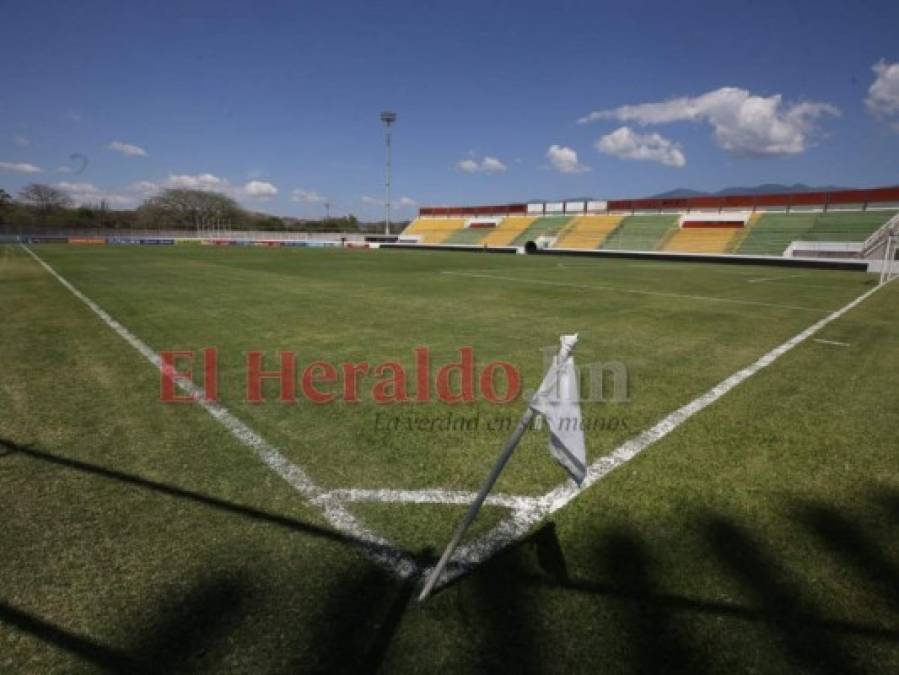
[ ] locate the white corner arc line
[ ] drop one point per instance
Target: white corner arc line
(377, 548)
(662, 294)
(522, 520)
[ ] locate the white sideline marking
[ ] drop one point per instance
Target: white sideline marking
(522, 520)
(379, 549)
(764, 279)
(832, 342)
(631, 290)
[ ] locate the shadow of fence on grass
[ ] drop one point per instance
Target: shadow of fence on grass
(630, 583)
(363, 608)
(192, 496)
(190, 625)
(358, 621)
(858, 551)
(792, 619)
(100, 656)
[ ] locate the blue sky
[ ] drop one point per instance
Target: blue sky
(277, 103)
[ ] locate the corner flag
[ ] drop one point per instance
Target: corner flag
(558, 400)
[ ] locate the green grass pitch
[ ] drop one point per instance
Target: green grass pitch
(759, 536)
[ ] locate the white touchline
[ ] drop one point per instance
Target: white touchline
(527, 511)
(831, 342)
(377, 548)
(663, 294)
(524, 519)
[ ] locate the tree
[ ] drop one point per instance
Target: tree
(5, 205)
(45, 198)
(191, 208)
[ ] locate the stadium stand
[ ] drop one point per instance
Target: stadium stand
(548, 226)
(695, 240)
(507, 231)
(434, 230)
(641, 233)
(468, 235)
(803, 224)
(587, 232)
(772, 233)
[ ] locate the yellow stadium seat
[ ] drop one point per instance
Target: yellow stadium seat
(433, 230)
(508, 229)
(702, 239)
(587, 231)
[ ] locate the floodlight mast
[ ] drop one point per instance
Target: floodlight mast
(388, 118)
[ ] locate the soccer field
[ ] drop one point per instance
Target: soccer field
(745, 518)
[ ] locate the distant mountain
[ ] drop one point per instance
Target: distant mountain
(766, 188)
(678, 192)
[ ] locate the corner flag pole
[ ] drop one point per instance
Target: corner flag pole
(478, 502)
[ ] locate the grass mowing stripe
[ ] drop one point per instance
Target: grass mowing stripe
(524, 519)
(633, 290)
(378, 549)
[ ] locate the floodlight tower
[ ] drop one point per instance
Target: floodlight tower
(388, 118)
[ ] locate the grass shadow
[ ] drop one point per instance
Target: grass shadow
(188, 627)
(100, 656)
(197, 498)
(658, 643)
(793, 621)
(360, 617)
(849, 542)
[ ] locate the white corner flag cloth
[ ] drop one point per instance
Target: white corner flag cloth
(558, 400)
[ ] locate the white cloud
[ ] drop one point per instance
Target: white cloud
(883, 96)
(21, 141)
(259, 189)
(486, 165)
(742, 122)
(200, 181)
(407, 202)
(127, 149)
(144, 187)
(254, 189)
(564, 159)
(307, 196)
(625, 143)
(88, 193)
(19, 167)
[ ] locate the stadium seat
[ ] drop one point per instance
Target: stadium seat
(548, 226)
(587, 232)
(434, 230)
(468, 235)
(507, 231)
(774, 232)
(641, 233)
(702, 240)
